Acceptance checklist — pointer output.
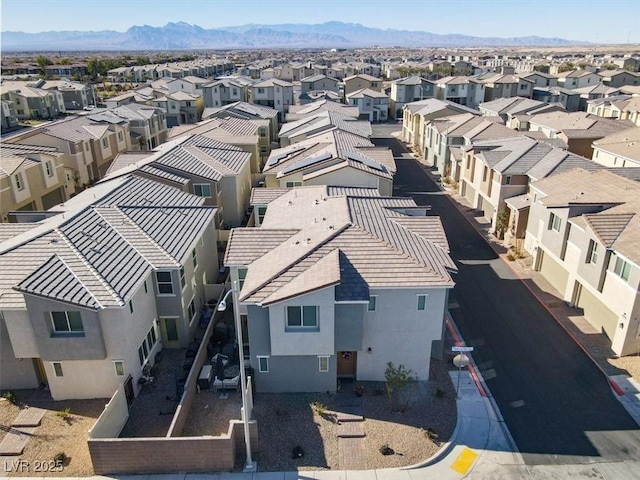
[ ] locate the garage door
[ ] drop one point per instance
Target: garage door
(52, 199)
(554, 273)
(597, 313)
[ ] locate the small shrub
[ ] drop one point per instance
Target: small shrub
(297, 452)
(10, 397)
(511, 256)
(386, 449)
(64, 413)
(59, 458)
(431, 434)
(455, 185)
(319, 408)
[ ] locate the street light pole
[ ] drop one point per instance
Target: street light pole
(250, 465)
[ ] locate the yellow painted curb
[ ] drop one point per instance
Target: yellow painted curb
(464, 461)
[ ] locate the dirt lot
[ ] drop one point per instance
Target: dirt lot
(54, 435)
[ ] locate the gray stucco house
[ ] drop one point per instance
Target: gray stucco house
(337, 282)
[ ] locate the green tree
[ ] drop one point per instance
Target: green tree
(502, 223)
(93, 67)
(566, 67)
(42, 62)
(143, 60)
(400, 386)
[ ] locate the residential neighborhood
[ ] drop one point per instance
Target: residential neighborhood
(297, 259)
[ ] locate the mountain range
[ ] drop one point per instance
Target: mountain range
(183, 36)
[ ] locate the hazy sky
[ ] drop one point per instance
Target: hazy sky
(603, 21)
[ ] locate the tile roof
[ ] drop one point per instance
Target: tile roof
(624, 144)
(263, 196)
(96, 255)
(352, 242)
(618, 197)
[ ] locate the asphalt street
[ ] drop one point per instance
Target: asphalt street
(556, 403)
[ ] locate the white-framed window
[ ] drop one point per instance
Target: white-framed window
(263, 132)
(242, 274)
(120, 136)
(191, 310)
(555, 222)
(293, 184)
(147, 344)
(373, 301)
(194, 257)
(323, 364)
(119, 366)
(422, 302)
(202, 190)
(57, 367)
(183, 282)
(262, 211)
(263, 364)
(622, 269)
(165, 284)
(592, 252)
(302, 316)
(19, 182)
(105, 142)
(507, 180)
(49, 168)
(66, 322)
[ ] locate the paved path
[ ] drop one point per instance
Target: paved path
(557, 404)
(352, 447)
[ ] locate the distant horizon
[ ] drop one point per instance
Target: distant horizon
(572, 19)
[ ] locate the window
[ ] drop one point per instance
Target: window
(592, 252)
(86, 147)
(49, 168)
(555, 222)
(194, 257)
(262, 211)
(191, 311)
(145, 287)
(293, 184)
(507, 180)
(105, 142)
(263, 150)
(242, 274)
(67, 322)
(18, 179)
(202, 190)
(323, 364)
(263, 364)
(131, 306)
(57, 367)
(622, 269)
(263, 132)
(147, 344)
(302, 317)
(188, 104)
(120, 136)
(422, 302)
(183, 282)
(165, 285)
(119, 366)
(261, 90)
(373, 299)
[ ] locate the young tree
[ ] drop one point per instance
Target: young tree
(400, 386)
(42, 62)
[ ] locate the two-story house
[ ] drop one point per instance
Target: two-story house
(296, 112)
(371, 104)
(416, 115)
(460, 89)
(92, 294)
(505, 86)
(223, 92)
(540, 79)
(619, 78)
(216, 171)
(90, 142)
(180, 107)
(516, 111)
(31, 178)
(335, 157)
(248, 111)
(584, 242)
(75, 95)
(407, 90)
(147, 124)
(32, 102)
(353, 83)
(494, 171)
(577, 79)
(273, 93)
(334, 287)
(8, 115)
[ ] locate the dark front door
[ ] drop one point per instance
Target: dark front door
(128, 390)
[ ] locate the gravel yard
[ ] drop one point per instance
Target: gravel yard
(288, 420)
(54, 435)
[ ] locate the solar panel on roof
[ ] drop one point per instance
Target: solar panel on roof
(307, 161)
(364, 160)
(275, 159)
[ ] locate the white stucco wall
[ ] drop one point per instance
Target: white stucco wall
(397, 332)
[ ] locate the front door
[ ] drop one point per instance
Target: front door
(41, 374)
(128, 390)
(346, 364)
(170, 336)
